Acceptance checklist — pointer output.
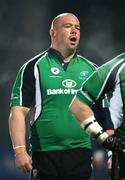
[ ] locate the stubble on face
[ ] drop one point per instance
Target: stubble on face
(68, 32)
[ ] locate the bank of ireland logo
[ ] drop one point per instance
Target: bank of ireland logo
(55, 70)
(69, 83)
(84, 75)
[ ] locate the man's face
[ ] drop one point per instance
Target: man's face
(67, 32)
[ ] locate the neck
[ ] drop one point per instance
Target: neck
(68, 57)
(67, 54)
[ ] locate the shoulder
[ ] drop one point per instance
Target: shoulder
(120, 56)
(31, 62)
(90, 63)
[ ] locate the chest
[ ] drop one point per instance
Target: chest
(53, 76)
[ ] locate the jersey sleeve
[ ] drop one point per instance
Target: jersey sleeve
(24, 87)
(91, 89)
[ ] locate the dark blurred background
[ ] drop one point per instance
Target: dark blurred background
(24, 26)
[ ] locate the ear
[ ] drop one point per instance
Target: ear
(52, 33)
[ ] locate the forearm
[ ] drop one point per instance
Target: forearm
(17, 126)
(88, 122)
(85, 116)
(81, 111)
(17, 132)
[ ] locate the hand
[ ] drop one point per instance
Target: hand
(114, 143)
(23, 161)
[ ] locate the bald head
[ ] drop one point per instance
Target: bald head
(56, 20)
(65, 33)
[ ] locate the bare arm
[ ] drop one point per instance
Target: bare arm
(83, 111)
(17, 133)
(85, 116)
(17, 125)
(80, 110)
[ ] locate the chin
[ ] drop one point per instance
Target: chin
(73, 47)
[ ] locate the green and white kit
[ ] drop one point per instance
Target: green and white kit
(47, 85)
(110, 77)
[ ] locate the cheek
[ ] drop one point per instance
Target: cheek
(63, 36)
(65, 33)
(79, 38)
(78, 35)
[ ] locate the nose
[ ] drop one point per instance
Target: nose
(73, 30)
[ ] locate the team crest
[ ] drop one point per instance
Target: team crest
(55, 70)
(84, 75)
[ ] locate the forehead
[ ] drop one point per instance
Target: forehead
(68, 19)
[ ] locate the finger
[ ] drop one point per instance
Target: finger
(28, 167)
(25, 169)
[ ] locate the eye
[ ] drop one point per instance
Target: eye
(68, 25)
(78, 28)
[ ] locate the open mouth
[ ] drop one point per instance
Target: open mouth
(73, 39)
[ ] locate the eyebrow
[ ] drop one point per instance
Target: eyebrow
(71, 24)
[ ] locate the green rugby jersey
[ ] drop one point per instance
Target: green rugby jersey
(46, 85)
(110, 77)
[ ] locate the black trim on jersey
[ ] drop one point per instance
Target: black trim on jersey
(28, 87)
(59, 56)
(110, 84)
